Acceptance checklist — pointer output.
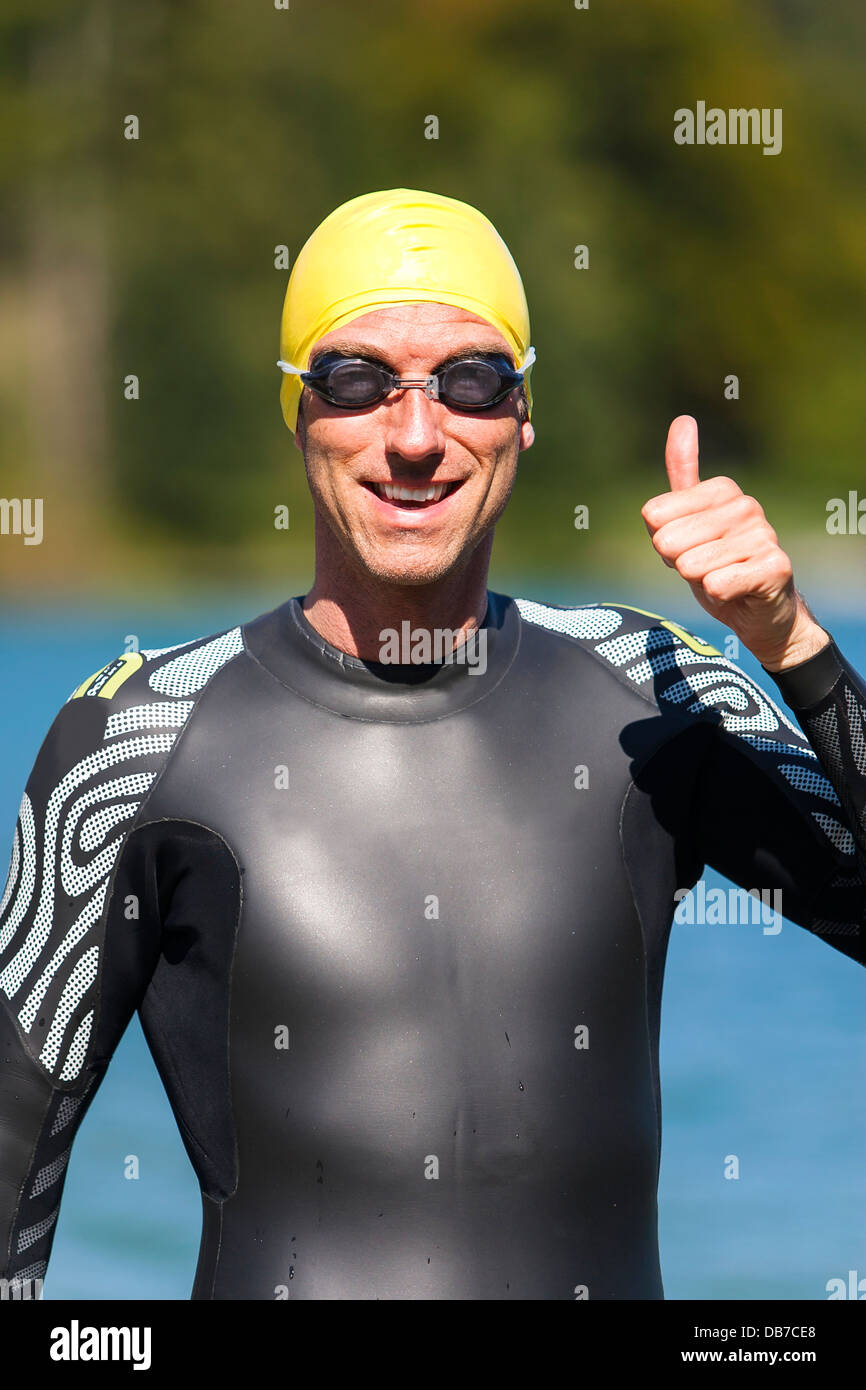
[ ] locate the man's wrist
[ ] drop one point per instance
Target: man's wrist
(806, 683)
(806, 645)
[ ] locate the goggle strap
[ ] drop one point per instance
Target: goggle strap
(291, 370)
(528, 359)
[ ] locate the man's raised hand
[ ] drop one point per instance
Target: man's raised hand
(722, 544)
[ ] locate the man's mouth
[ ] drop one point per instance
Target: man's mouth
(412, 497)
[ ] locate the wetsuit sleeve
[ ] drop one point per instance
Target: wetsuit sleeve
(772, 804)
(829, 698)
(777, 810)
(77, 947)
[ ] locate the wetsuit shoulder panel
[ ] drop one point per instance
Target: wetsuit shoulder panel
(769, 804)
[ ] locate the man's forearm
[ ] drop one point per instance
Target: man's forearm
(829, 699)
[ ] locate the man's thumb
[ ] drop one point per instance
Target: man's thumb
(681, 453)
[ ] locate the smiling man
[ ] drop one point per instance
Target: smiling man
(396, 929)
(407, 495)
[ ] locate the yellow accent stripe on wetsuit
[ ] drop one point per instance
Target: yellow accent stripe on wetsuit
(121, 668)
(702, 648)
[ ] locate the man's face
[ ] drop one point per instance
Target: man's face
(410, 441)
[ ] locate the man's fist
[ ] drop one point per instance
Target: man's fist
(722, 544)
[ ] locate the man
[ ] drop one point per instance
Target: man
(389, 871)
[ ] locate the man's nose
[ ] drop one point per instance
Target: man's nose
(413, 424)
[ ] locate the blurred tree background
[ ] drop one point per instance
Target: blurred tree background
(156, 257)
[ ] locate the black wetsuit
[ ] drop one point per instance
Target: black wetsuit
(397, 936)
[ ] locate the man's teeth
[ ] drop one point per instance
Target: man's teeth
(410, 494)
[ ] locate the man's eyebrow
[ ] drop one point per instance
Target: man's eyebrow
(477, 352)
(352, 349)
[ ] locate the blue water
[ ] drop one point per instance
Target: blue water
(762, 1053)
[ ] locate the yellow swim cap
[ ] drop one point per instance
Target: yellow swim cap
(401, 246)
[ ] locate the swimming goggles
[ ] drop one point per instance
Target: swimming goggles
(354, 383)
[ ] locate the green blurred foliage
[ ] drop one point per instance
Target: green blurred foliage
(156, 256)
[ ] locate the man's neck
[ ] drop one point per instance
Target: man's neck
(353, 616)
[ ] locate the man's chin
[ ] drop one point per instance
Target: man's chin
(414, 578)
(405, 571)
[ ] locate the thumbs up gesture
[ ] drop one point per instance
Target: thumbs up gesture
(722, 544)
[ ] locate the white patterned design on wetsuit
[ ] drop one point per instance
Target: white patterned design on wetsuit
(189, 673)
(45, 933)
(16, 970)
(574, 622)
(23, 854)
(745, 709)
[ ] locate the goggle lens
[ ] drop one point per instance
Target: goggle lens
(354, 383)
(470, 384)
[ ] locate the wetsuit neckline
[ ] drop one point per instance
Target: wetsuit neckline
(286, 644)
